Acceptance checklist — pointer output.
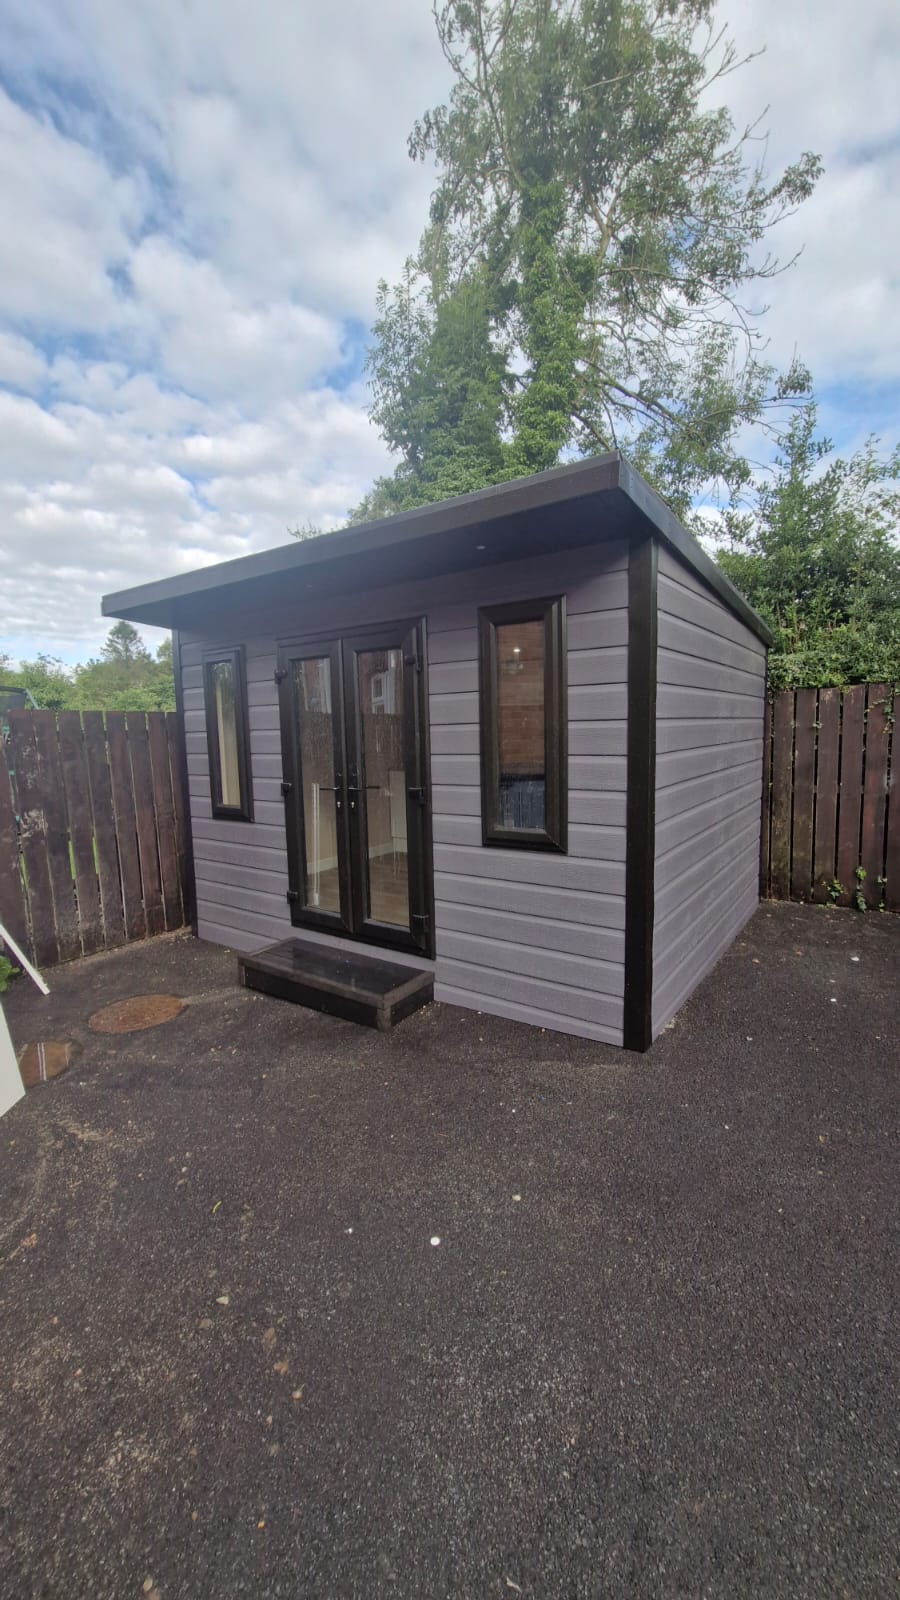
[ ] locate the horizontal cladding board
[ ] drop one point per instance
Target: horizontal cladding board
(675, 766)
(585, 738)
(261, 879)
(708, 814)
(446, 994)
(712, 704)
(690, 672)
(716, 939)
(680, 888)
(692, 852)
(266, 902)
(558, 999)
(530, 866)
(532, 900)
(692, 792)
(249, 833)
(530, 961)
(540, 929)
(693, 733)
(695, 908)
(689, 638)
(677, 600)
(268, 858)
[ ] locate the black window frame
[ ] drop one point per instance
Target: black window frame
(554, 835)
(244, 811)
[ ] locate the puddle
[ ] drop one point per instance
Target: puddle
(40, 1062)
(141, 1011)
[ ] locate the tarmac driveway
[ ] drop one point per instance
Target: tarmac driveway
(653, 1353)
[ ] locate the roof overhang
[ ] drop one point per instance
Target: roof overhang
(587, 502)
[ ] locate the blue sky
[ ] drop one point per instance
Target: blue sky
(198, 202)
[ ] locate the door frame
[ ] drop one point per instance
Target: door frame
(339, 644)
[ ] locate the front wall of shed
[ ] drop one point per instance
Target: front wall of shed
(535, 936)
(711, 678)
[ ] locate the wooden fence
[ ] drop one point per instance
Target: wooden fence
(92, 835)
(831, 797)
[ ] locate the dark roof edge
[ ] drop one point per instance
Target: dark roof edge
(574, 480)
(567, 482)
(690, 551)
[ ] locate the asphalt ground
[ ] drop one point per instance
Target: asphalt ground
(654, 1352)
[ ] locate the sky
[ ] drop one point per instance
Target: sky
(198, 198)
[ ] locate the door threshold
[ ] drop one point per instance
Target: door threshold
(342, 982)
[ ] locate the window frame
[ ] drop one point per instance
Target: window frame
(554, 835)
(243, 812)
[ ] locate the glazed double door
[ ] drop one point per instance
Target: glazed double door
(356, 786)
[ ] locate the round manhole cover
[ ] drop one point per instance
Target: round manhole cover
(141, 1011)
(40, 1062)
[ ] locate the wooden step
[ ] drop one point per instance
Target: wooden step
(343, 981)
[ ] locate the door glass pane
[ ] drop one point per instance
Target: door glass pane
(312, 698)
(520, 724)
(222, 673)
(383, 775)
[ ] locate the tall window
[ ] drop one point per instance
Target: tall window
(227, 737)
(523, 724)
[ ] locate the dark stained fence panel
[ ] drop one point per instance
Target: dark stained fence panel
(164, 809)
(765, 835)
(77, 784)
(148, 849)
(27, 771)
(892, 839)
(13, 905)
(831, 807)
(850, 796)
(782, 780)
(105, 841)
(874, 803)
(126, 825)
(804, 792)
(827, 769)
(90, 849)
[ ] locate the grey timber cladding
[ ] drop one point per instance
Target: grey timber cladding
(711, 676)
(534, 937)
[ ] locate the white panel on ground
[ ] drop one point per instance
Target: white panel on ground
(11, 1088)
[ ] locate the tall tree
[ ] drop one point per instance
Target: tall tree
(597, 231)
(819, 557)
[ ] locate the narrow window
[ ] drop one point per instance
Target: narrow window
(523, 724)
(227, 735)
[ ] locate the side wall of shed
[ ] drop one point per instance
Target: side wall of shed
(535, 936)
(711, 678)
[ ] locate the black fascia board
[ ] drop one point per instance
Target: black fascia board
(579, 503)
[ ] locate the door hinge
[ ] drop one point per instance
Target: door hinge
(280, 674)
(419, 795)
(415, 660)
(287, 788)
(421, 919)
(292, 897)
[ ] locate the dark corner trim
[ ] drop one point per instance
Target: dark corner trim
(643, 572)
(190, 883)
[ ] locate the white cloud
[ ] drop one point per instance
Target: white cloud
(198, 202)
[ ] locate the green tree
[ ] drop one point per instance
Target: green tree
(596, 232)
(126, 677)
(819, 559)
(46, 678)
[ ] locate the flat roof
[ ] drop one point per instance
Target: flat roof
(585, 502)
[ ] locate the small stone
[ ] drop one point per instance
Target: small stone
(147, 1585)
(222, 1300)
(435, 1240)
